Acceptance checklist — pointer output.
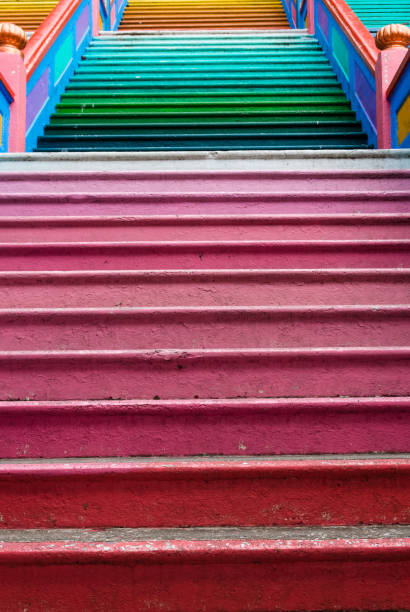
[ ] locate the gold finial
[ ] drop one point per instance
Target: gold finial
(12, 38)
(391, 36)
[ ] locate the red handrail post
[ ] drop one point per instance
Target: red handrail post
(95, 8)
(311, 16)
(392, 40)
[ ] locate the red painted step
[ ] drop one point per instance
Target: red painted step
(172, 492)
(191, 328)
(203, 288)
(290, 570)
(214, 427)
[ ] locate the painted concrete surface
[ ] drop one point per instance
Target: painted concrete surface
(199, 534)
(210, 161)
(172, 255)
(179, 327)
(220, 427)
(204, 193)
(215, 373)
(292, 575)
(354, 226)
(215, 492)
(312, 332)
(116, 289)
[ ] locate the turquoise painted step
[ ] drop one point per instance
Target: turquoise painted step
(197, 92)
(377, 13)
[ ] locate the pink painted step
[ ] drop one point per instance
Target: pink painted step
(134, 203)
(205, 373)
(206, 255)
(233, 327)
(203, 288)
(128, 193)
(206, 227)
(214, 427)
(204, 492)
(213, 570)
(206, 183)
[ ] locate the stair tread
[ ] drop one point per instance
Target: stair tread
(182, 405)
(232, 86)
(347, 535)
(86, 465)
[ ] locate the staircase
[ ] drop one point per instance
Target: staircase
(376, 15)
(204, 340)
(203, 14)
(202, 377)
(196, 91)
(28, 14)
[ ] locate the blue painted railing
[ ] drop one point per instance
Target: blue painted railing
(55, 50)
(352, 54)
(50, 77)
(6, 99)
(111, 12)
(296, 12)
(399, 97)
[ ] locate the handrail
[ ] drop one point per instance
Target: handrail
(47, 33)
(355, 30)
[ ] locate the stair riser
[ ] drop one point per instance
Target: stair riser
(150, 143)
(208, 494)
(378, 14)
(113, 429)
(183, 374)
(88, 204)
(205, 183)
(246, 329)
(235, 83)
(203, 257)
(82, 291)
(48, 230)
(186, 576)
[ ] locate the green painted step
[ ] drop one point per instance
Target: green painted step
(377, 13)
(154, 93)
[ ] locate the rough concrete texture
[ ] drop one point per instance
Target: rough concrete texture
(212, 161)
(212, 492)
(366, 532)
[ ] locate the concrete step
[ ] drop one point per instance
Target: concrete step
(207, 193)
(198, 327)
(132, 203)
(204, 373)
(376, 16)
(205, 227)
(97, 289)
(113, 428)
(205, 255)
(188, 492)
(236, 89)
(27, 14)
(205, 183)
(206, 161)
(295, 570)
(205, 14)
